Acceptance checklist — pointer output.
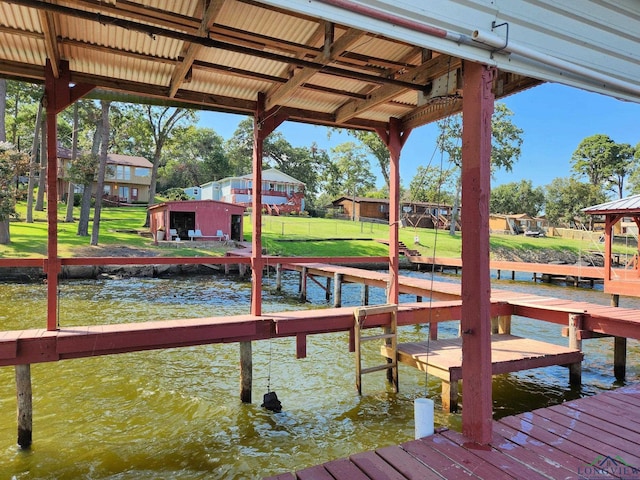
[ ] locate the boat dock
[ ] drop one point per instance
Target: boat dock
(589, 438)
(546, 272)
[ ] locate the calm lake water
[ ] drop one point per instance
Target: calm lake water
(176, 414)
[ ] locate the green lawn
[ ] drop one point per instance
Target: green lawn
(286, 236)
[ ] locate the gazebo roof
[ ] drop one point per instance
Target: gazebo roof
(626, 206)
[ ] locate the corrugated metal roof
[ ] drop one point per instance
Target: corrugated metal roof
(623, 205)
(356, 72)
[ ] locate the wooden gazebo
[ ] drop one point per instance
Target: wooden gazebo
(624, 280)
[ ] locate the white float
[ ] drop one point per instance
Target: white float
(423, 417)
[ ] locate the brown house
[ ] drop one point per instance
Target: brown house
(196, 220)
(362, 208)
(126, 180)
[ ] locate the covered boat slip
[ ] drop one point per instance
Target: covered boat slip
(388, 68)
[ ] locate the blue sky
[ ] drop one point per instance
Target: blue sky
(555, 119)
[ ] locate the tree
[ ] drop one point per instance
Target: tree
(102, 169)
(350, 172)
(3, 109)
(566, 197)
(517, 197)
(375, 146)
(11, 162)
(506, 143)
(195, 156)
(634, 177)
(240, 148)
(593, 158)
(144, 130)
(432, 184)
(623, 165)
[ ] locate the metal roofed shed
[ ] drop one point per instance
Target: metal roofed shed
(182, 219)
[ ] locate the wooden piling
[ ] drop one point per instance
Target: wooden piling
(246, 371)
(364, 295)
(337, 290)
(575, 369)
(327, 291)
(25, 405)
(303, 284)
(619, 349)
(278, 277)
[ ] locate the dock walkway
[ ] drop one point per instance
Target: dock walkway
(589, 438)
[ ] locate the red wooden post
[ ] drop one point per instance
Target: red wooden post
(59, 95)
(394, 138)
(476, 286)
(263, 124)
(608, 238)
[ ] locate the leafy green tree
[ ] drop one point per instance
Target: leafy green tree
(431, 184)
(376, 147)
(593, 158)
(11, 163)
(240, 148)
(506, 143)
(624, 164)
(145, 130)
(195, 156)
(3, 109)
(517, 197)
(634, 177)
(21, 105)
(566, 197)
(350, 172)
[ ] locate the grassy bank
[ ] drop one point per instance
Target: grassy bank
(121, 228)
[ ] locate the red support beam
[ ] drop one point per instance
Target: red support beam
(264, 122)
(394, 138)
(476, 286)
(59, 94)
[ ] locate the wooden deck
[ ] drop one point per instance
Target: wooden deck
(509, 353)
(590, 438)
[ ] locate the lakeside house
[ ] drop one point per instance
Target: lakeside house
(127, 178)
(415, 214)
(516, 223)
(281, 193)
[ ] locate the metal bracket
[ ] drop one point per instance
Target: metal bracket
(494, 25)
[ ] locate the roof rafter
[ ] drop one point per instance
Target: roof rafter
(182, 69)
(50, 41)
(331, 51)
(423, 74)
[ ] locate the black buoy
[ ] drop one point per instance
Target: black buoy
(271, 402)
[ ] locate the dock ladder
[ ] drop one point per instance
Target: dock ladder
(390, 337)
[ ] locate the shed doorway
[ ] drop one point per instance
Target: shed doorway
(236, 228)
(182, 222)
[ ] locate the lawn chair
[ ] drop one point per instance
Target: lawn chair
(173, 233)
